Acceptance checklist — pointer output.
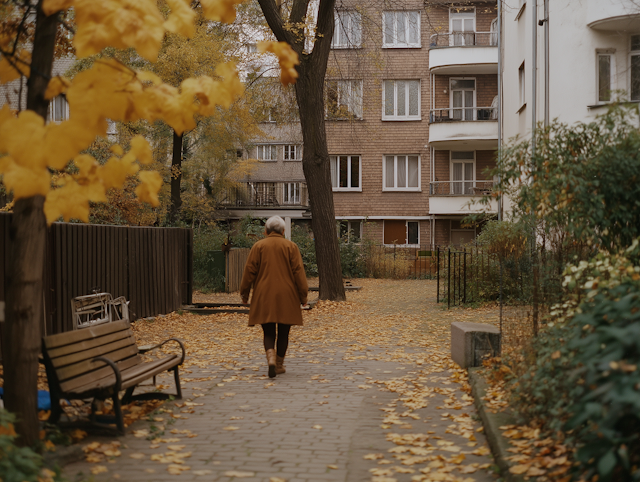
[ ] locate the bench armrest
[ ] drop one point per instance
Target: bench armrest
(114, 367)
(149, 348)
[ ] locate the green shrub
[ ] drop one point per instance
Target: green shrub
(20, 464)
(206, 239)
(352, 259)
(307, 246)
(607, 412)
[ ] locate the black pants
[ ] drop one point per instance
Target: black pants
(269, 330)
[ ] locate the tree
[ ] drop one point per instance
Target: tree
(310, 99)
(582, 182)
(33, 149)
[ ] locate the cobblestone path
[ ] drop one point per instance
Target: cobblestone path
(369, 395)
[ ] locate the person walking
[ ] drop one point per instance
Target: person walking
(275, 270)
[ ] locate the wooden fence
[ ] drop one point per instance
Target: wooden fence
(151, 267)
(236, 259)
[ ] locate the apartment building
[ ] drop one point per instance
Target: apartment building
(411, 117)
(585, 54)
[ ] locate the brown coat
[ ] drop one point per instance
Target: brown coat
(279, 283)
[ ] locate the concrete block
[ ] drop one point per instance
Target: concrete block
(471, 342)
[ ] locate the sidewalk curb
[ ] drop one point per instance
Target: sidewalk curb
(492, 423)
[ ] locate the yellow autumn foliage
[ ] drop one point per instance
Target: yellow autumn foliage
(30, 148)
(287, 59)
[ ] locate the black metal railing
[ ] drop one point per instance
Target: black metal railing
(460, 188)
(267, 194)
(464, 39)
(454, 114)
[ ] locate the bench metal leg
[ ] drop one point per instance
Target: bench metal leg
(176, 376)
(118, 411)
(128, 395)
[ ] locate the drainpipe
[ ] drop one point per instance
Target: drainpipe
(534, 68)
(546, 63)
(500, 203)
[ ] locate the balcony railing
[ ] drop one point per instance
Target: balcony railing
(267, 194)
(463, 114)
(460, 188)
(464, 39)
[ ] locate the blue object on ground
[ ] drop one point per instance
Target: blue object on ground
(44, 399)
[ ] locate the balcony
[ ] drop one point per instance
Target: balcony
(470, 128)
(267, 195)
(454, 197)
(461, 53)
(613, 15)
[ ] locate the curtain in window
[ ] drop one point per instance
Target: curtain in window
(389, 172)
(400, 87)
(414, 96)
(414, 27)
(457, 178)
(389, 97)
(413, 171)
(402, 171)
(468, 177)
(334, 173)
(635, 77)
(389, 21)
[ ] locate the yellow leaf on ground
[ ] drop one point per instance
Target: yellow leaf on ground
(239, 474)
(98, 469)
(519, 469)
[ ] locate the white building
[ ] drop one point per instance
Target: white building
(586, 54)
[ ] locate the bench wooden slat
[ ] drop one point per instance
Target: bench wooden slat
(84, 366)
(70, 337)
(130, 376)
(72, 384)
(87, 355)
(87, 344)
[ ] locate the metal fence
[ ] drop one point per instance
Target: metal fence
(150, 267)
(460, 188)
(272, 194)
(464, 39)
(469, 114)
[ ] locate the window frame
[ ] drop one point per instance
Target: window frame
(288, 188)
(406, 234)
(296, 150)
(632, 53)
(474, 107)
(395, 173)
(350, 223)
(522, 86)
(273, 148)
(395, 117)
(463, 181)
(612, 69)
(349, 30)
(396, 44)
(338, 188)
(351, 96)
(51, 111)
(451, 31)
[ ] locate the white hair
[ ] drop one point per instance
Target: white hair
(275, 223)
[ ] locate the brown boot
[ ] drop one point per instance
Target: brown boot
(280, 365)
(271, 361)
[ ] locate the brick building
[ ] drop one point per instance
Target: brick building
(411, 121)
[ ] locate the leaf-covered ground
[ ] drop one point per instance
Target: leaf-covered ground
(370, 393)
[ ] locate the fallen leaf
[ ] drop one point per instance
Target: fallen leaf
(98, 469)
(238, 474)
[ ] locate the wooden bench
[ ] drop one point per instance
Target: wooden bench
(99, 362)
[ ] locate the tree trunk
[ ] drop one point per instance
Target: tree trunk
(28, 238)
(176, 178)
(317, 172)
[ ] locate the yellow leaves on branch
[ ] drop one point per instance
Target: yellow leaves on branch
(56, 86)
(17, 65)
(108, 90)
(135, 23)
(287, 59)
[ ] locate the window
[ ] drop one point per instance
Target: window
(521, 84)
(401, 29)
(345, 173)
(462, 24)
(463, 99)
(401, 173)
(348, 30)
(344, 99)
(635, 68)
(267, 153)
(401, 232)
(292, 153)
(462, 172)
(58, 109)
(401, 100)
(350, 230)
(604, 75)
(291, 194)
(252, 48)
